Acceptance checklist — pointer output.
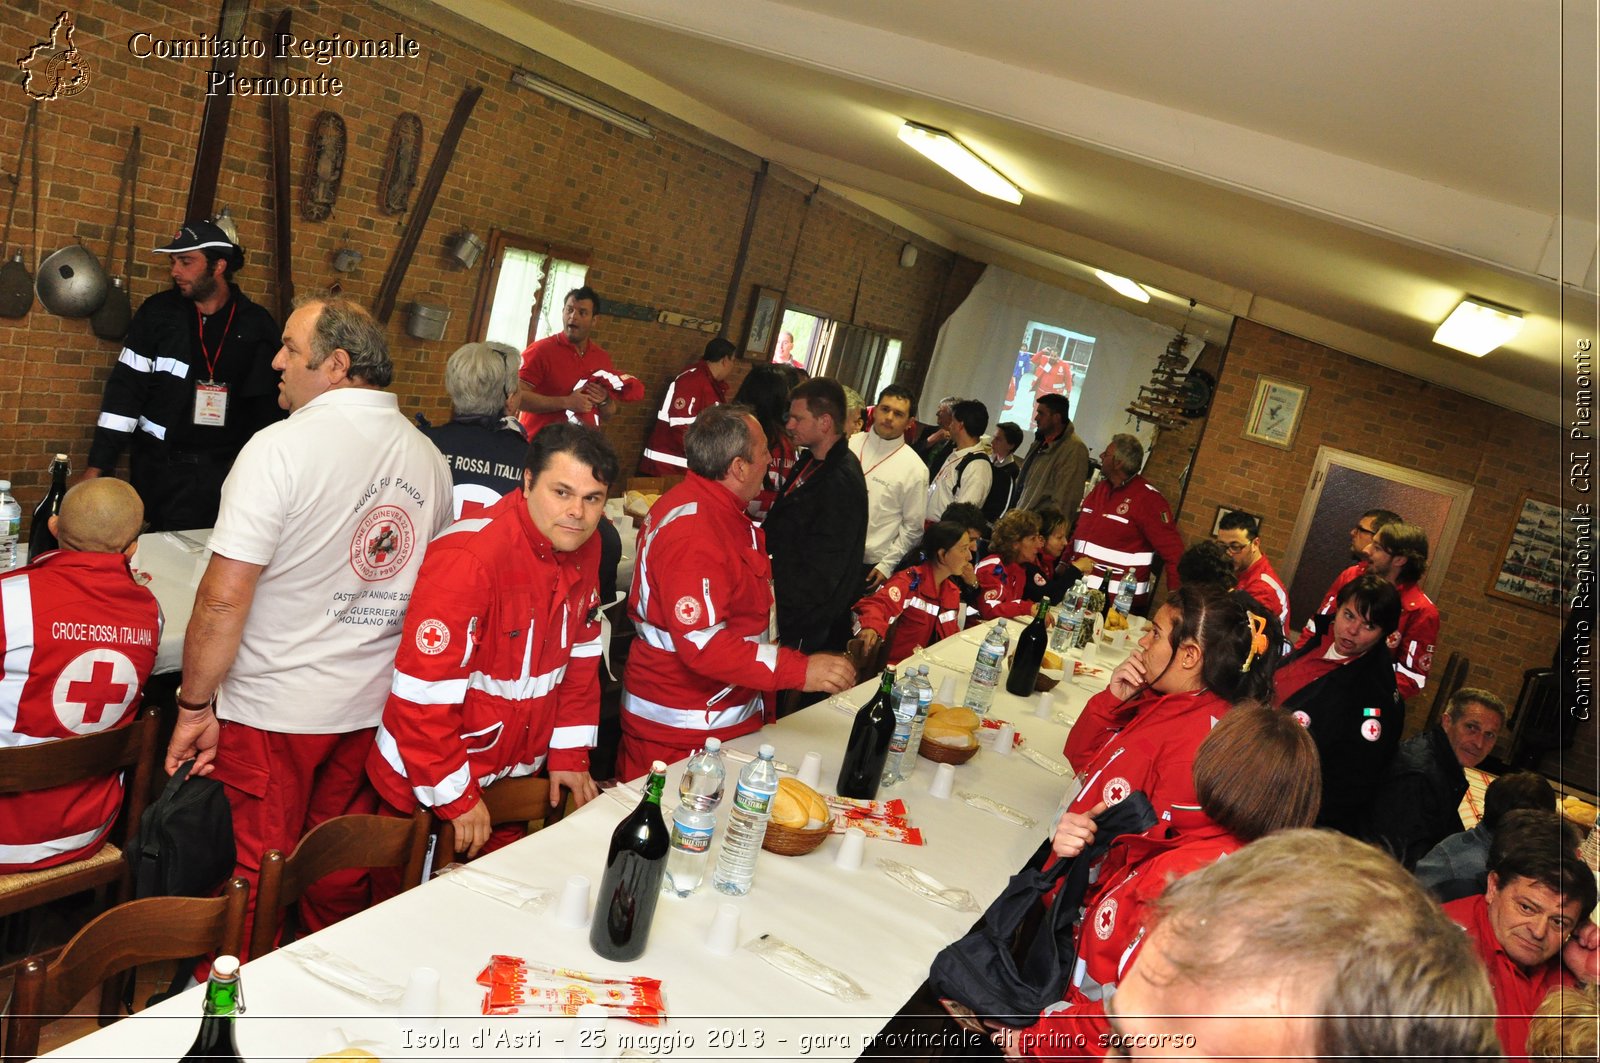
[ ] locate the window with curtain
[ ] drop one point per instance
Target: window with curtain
(520, 292)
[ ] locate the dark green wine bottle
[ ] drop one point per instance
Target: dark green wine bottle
(631, 884)
(224, 1001)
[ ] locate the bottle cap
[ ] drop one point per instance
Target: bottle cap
(766, 751)
(225, 966)
(5, 485)
(658, 767)
(713, 744)
(61, 457)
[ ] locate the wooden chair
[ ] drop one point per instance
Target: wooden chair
(121, 938)
(338, 844)
(524, 799)
(128, 749)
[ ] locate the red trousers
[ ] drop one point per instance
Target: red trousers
(279, 786)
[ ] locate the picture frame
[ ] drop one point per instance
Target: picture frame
(1532, 569)
(766, 310)
(1275, 412)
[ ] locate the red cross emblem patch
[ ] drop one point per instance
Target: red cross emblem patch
(1116, 790)
(384, 541)
(687, 610)
(1122, 508)
(1371, 729)
(93, 692)
(1105, 918)
(1302, 718)
(894, 594)
(432, 637)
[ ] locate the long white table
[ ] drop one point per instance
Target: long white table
(737, 1007)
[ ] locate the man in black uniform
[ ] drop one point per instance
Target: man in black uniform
(194, 381)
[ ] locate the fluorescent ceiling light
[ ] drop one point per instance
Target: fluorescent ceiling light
(960, 160)
(579, 102)
(1123, 285)
(1477, 327)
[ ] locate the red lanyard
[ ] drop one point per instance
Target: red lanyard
(881, 460)
(211, 360)
(799, 477)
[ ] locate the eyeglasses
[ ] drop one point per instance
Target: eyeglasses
(1368, 532)
(1232, 548)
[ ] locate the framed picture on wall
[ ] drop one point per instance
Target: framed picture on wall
(1531, 570)
(1275, 412)
(765, 312)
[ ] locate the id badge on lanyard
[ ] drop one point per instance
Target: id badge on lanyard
(210, 404)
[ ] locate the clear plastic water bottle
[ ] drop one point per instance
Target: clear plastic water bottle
(905, 722)
(924, 701)
(694, 822)
(1065, 632)
(747, 825)
(10, 527)
(1124, 600)
(986, 670)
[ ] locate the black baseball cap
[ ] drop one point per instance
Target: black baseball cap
(197, 236)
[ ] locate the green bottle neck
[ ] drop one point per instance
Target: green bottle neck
(1044, 607)
(654, 788)
(222, 997)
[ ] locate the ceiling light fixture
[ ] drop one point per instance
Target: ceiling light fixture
(960, 160)
(1477, 326)
(579, 102)
(1123, 286)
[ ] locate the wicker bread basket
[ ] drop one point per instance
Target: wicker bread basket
(793, 841)
(940, 753)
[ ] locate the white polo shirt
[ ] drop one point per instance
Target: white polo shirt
(338, 503)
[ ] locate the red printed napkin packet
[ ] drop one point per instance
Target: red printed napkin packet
(516, 986)
(877, 819)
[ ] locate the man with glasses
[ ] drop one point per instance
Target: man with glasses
(1239, 534)
(1398, 552)
(1365, 528)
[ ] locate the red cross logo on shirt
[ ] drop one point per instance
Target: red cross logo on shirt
(1105, 918)
(94, 691)
(1116, 790)
(432, 636)
(382, 544)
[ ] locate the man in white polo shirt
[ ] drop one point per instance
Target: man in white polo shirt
(324, 522)
(897, 483)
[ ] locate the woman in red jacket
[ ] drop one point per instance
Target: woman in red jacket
(1202, 654)
(1002, 576)
(921, 604)
(1256, 772)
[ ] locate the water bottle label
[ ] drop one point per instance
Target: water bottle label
(691, 839)
(751, 801)
(899, 741)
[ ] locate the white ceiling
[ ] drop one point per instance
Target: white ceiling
(1345, 172)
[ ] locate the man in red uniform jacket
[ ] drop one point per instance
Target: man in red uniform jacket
(1240, 535)
(497, 673)
(552, 368)
(707, 661)
(1531, 926)
(1399, 553)
(1125, 523)
(697, 388)
(78, 639)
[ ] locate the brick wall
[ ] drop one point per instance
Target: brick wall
(661, 218)
(1352, 405)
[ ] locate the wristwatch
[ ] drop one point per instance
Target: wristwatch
(196, 707)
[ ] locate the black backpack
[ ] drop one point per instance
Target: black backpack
(184, 847)
(981, 969)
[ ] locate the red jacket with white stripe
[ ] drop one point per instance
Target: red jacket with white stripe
(706, 651)
(79, 641)
(927, 612)
(1154, 752)
(1001, 588)
(498, 664)
(694, 390)
(1412, 643)
(1260, 582)
(1123, 527)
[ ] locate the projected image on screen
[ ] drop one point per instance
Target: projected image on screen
(1051, 360)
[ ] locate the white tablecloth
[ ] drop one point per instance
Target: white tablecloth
(860, 922)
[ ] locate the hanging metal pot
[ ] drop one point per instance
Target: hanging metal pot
(465, 247)
(72, 283)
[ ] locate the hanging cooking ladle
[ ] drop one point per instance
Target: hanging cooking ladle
(16, 283)
(110, 322)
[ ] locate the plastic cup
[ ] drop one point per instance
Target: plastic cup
(851, 849)
(421, 1000)
(944, 781)
(723, 936)
(574, 907)
(1002, 740)
(811, 770)
(1044, 705)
